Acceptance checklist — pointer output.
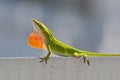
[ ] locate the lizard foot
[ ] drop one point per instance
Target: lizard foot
(85, 60)
(43, 59)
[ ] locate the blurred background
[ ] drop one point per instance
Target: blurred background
(92, 25)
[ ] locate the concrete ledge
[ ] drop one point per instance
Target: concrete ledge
(101, 68)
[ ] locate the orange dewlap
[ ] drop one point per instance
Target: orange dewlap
(35, 41)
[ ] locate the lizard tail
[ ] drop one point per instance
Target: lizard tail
(101, 54)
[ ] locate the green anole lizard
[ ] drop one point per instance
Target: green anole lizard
(42, 38)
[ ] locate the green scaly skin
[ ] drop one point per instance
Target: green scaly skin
(59, 48)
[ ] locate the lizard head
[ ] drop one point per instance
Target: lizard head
(37, 39)
(41, 29)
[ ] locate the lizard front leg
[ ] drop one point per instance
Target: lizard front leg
(48, 55)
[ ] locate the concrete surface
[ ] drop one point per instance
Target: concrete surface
(101, 68)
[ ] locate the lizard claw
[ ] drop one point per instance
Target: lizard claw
(43, 59)
(85, 60)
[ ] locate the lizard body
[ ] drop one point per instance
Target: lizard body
(42, 38)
